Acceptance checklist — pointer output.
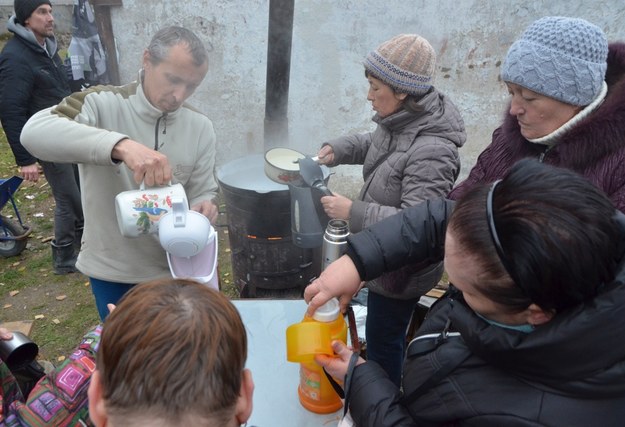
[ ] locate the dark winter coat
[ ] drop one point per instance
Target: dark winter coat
(595, 147)
(409, 158)
(30, 80)
(567, 372)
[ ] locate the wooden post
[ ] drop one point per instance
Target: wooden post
(102, 10)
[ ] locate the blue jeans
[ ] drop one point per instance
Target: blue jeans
(107, 293)
(386, 325)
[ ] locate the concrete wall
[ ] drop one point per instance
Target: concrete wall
(330, 39)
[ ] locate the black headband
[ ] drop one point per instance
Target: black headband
(495, 237)
(491, 223)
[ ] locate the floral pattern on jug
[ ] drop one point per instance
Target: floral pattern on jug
(150, 210)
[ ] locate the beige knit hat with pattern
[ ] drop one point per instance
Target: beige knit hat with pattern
(406, 63)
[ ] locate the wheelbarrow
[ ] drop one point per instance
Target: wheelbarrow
(13, 234)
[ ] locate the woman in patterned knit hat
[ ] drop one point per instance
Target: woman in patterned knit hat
(567, 106)
(411, 156)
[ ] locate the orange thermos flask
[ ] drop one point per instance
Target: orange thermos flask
(315, 391)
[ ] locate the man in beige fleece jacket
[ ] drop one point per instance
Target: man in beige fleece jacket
(122, 136)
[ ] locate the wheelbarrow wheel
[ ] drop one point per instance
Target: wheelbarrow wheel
(10, 247)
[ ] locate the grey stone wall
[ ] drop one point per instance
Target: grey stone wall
(330, 39)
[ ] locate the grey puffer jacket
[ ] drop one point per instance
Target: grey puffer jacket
(409, 158)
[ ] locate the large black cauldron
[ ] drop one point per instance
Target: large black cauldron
(265, 262)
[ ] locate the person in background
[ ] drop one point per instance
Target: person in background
(567, 103)
(526, 334)
(171, 353)
(411, 156)
(180, 362)
(123, 136)
(32, 77)
(86, 58)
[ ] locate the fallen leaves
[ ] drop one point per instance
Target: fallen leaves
(226, 281)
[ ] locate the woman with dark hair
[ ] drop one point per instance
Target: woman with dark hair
(411, 156)
(527, 334)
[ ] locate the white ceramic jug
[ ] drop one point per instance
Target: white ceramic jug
(139, 211)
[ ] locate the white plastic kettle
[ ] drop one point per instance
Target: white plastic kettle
(183, 232)
(191, 244)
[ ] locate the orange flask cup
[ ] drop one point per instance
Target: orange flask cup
(314, 336)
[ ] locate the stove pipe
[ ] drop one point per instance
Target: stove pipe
(280, 35)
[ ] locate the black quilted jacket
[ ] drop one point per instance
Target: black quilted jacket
(567, 372)
(30, 80)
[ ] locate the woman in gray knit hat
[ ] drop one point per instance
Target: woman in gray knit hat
(567, 106)
(411, 156)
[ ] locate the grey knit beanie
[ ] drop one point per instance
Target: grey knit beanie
(562, 58)
(24, 8)
(405, 63)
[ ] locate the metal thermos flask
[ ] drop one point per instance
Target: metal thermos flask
(334, 241)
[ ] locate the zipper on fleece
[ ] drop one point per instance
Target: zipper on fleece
(158, 146)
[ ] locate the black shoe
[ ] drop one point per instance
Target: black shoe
(64, 258)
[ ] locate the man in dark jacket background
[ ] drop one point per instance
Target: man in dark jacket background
(32, 77)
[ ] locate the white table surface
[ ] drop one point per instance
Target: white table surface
(275, 396)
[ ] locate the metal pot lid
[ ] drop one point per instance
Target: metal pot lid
(247, 173)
